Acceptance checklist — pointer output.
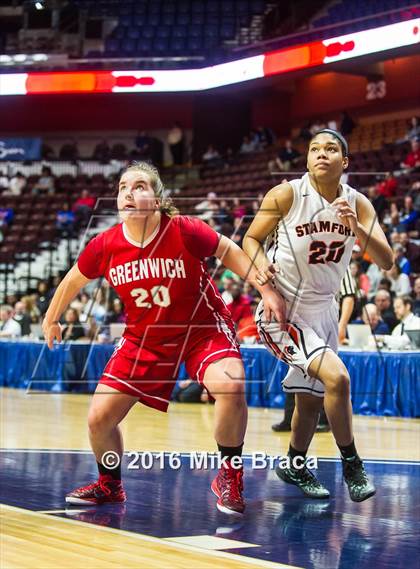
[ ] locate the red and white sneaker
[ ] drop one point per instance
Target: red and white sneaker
(228, 487)
(105, 490)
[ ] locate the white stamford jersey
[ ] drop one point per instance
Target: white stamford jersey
(312, 247)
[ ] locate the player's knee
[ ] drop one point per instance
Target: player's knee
(99, 422)
(233, 389)
(339, 384)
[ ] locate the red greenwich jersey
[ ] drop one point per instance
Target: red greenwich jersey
(163, 282)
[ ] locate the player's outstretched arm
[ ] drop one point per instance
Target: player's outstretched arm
(275, 206)
(69, 287)
(236, 260)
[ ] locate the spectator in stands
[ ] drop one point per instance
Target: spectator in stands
(409, 216)
(384, 306)
(143, 145)
(378, 201)
(211, 156)
(411, 251)
(360, 278)
(31, 308)
(374, 274)
(248, 146)
(416, 297)
(45, 184)
(412, 160)
(65, 220)
(176, 142)
(305, 132)
(9, 328)
(388, 186)
(42, 299)
(413, 132)
(228, 282)
(6, 216)
(222, 216)
(96, 306)
(115, 314)
(316, 126)
(347, 124)
(370, 316)
(22, 318)
(286, 159)
(189, 391)
(400, 259)
(46, 151)
(79, 304)
(83, 208)
(73, 329)
(265, 136)
(400, 283)
(240, 307)
(69, 151)
(102, 152)
(16, 185)
(392, 218)
(403, 306)
(247, 331)
(207, 207)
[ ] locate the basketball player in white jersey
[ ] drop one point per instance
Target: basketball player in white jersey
(309, 226)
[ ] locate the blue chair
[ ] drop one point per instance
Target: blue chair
(148, 32)
(154, 7)
(195, 31)
(183, 19)
(211, 31)
(227, 31)
(169, 7)
(163, 32)
(168, 19)
(125, 21)
(128, 46)
(212, 6)
(144, 45)
(161, 45)
(198, 19)
(213, 20)
(242, 7)
(183, 7)
(195, 44)
(179, 32)
(112, 45)
(178, 44)
(257, 6)
(133, 33)
(140, 20)
(228, 7)
(197, 7)
(119, 32)
(140, 8)
(153, 20)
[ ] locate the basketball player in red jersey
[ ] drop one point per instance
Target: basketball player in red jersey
(155, 261)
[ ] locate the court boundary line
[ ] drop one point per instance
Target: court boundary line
(246, 456)
(157, 540)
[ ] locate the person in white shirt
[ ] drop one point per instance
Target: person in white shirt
(403, 307)
(400, 283)
(9, 328)
(16, 184)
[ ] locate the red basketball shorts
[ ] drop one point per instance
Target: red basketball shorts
(149, 370)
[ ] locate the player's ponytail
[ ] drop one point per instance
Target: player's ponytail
(166, 205)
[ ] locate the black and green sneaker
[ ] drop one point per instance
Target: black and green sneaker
(305, 480)
(356, 479)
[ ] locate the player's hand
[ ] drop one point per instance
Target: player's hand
(267, 273)
(346, 214)
(52, 331)
(274, 306)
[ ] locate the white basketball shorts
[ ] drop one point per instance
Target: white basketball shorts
(310, 333)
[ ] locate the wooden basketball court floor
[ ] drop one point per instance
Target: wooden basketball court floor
(170, 518)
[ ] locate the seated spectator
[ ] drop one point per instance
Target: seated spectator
(416, 294)
(378, 201)
(144, 145)
(16, 185)
(6, 216)
(22, 318)
(240, 307)
(83, 208)
(370, 316)
(211, 155)
(189, 391)
(360, 278)
(96, 307)
(374, 274)
(42, 298)
(73, 329)
(9, 328)
(412, 160)
(392, 218)
(400, 283)
(409, 216)
(384, 306)
(265, 136)
(208, 207)
(247, 331)
(115, 314)
(223, 216)
(4, 183)
(176, 143)
(403, 306)
(316, 126)
(413, 133)
(247, 146)
(46, 151)
(31, 308)
(69, 151)
(400, 259)
(45, 184)
(102, 151)
(347, 124)
(65, 220)
(286, 158)
(388, 186)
